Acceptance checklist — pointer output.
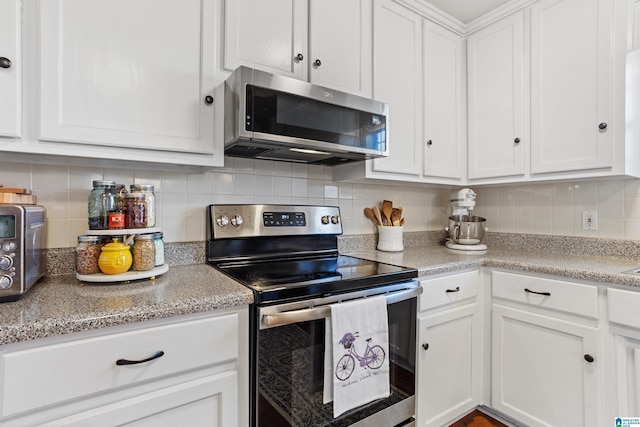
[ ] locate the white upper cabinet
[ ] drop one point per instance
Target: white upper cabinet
(418, 72)
(443, 119)
(398, 82)
(269, 35)
(572, 85)
(10, 68)
(326, 42)
(495, 61)
(124, 75)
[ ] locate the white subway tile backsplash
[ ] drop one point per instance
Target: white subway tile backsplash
(181, 198)
(244, 184)
(299, 188)
(282, 186)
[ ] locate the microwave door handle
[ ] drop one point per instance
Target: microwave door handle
(322, 312)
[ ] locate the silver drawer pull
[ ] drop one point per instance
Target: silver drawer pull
(121, 362)
(547, 294)
(457, 289)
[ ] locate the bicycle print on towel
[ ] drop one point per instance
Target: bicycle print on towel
(373, 357)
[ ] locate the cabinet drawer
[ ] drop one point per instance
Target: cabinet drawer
(51, 374)
(445, 290)
(623, 307)
(574, 298)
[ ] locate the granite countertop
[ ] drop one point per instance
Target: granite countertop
(61, 304)
(439, 259)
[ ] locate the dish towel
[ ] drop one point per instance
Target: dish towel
(356, 354)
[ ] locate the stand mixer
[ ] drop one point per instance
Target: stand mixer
(465, 230)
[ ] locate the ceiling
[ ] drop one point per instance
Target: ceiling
(466, 10)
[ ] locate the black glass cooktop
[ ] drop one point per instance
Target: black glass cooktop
(278, 280)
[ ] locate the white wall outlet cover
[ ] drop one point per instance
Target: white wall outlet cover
(589, 220)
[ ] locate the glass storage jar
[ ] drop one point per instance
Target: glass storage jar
(102, 193)
(87, 255)
(158, 242)
(144, 252)
(136, 213)
(150, 199)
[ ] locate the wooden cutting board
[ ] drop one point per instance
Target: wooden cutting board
(19, 199)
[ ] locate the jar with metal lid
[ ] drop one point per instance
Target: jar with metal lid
(158, 242)
(144, 252)
(121, 201)
(87, 255)
(136, 213)
(102, 193)
(150, 198)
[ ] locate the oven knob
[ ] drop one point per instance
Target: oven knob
(5, 262)
(5, 282)
(222, 220)
(236, 220)
(335, 219)
(325, 219)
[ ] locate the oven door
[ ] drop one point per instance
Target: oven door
(289, 375)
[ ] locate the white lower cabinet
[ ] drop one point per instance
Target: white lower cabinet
(189, 370)
(546, 366)
(449, 371)
(624, 323)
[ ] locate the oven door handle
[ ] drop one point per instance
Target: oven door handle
(322, 312)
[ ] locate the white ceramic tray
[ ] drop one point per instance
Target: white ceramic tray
(122, 232)
(123, 277)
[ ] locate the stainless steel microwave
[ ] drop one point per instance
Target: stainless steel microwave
(266, 116)
(22, 243)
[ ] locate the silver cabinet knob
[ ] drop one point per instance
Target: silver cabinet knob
(317, 63)
(602, 126)
(325, 219)
(299, 57)
(335, 219)
(5, 62)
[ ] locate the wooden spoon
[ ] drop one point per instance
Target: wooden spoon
(396, 215)
(376, 212)
(368, 212)
(387, 209)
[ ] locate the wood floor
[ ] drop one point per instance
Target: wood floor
(477, 419)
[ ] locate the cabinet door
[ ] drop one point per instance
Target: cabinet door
(449, 365)
(398, 81)
(444, 142)
(128, 74)
(267, 35)
(496, 99)
(540, 375)
(208, 402)
(571, 85)
(10, 68)
(340, 45)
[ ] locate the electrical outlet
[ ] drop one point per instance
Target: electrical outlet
(589, 220)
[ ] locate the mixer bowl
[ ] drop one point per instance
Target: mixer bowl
(466, 229)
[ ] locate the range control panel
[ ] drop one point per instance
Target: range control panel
(231, 221)
(284, 219)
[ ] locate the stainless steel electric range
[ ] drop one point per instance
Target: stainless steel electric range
(288, 255)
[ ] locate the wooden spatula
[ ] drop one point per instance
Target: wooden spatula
(387, 209)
